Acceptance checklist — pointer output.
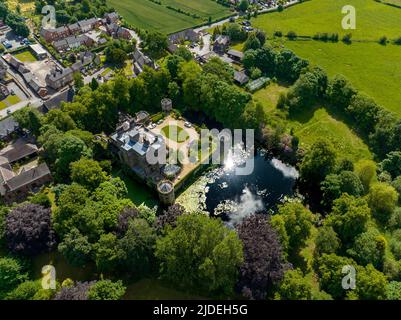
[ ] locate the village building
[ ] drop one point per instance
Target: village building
(235, 55)
(57, 100)
(240, 77)
(221, 44)
(185, 35)
(38, 51)
(18, 181)
(3, 70)
(8, 126)
(59, 77)
(141, 60)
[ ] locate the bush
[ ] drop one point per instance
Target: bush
(291, 35)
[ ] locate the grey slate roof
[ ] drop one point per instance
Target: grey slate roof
(8, 126)
(28, 176)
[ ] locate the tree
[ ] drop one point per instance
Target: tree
(75, 248)
(169, 217)
(106, 290)
(340, 92)
(382, 200)
(318, 163)
(349, 217)
(219, 68)
(94, 84)
(252, 42)
(326, 241)
(79, 291)
(87, 173)
(393, 291)
(78, 80)
(11, 275)
(69, 149)
(59, 119)
(294, 287)
(371, 284)
(25, 291)
(116, 56)
(329, 270)
(155, 43)
(365, 112)
(392, 164)
(369, 247)
(263, 264)
(29, 230)
(366, 171)
(243, 5)
(298, 222)
(29, 118)
(200, 254)
(107, 256)
(137, 247)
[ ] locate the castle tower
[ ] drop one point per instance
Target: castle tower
(165, 190)
(167, 105)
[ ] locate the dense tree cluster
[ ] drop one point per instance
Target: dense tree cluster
(14, 20)
(28, 230)
(263, 265)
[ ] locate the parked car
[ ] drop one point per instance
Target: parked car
(160, 122)
(187, 124)
(7, 44)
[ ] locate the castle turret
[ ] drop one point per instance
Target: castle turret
(165, 190)
(167, 105)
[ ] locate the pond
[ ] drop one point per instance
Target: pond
(224, 193)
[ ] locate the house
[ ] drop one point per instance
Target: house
(16, 184)
(3, 70)
(60, 45)
(89, 24)
(56, 101)
(235, 55)
(185, 35)
(221, 44)
(141, 60)
(4, 92)
(8, 126)
(13, 61)
(38, 51)
(123, 33)
(240, 77)
(111, 17)
(59, 77)
(133, 142)
(51, 35)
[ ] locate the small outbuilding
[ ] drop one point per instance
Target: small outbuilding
(38, 51)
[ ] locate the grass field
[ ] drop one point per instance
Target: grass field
(9, 101)
(25, 5)
(314, 124)
(370, 67)
(151, 16)
(373, 19)
(25, 56)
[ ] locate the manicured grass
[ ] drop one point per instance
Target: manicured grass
(371, 68)
(9, 101)
(138, 193)
(175, 133)
(373, 19)
(151, 16)
(25, 56)
(153, 289)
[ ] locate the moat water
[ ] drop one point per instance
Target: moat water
(224, 193)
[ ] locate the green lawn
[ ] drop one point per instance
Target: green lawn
(138, 193)
(151, 16)
(9, 101)
(25, 56)
(373, 19)
(171, 130)
(315, 123)
(370, 67)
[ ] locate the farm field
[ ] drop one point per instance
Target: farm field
(373, 19)
(370, 67)
(151, 16)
